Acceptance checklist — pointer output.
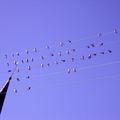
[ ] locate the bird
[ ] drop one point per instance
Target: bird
(42, 57)
(29, 88)
(69, 41)
(18, 54)
(68, 71)
(74, 70)
(47, 47)
(35, 49)
(73, 50)
(32, 59)
(56, 62)
(15, 91)
(88, 46)
(27, 52)
(51, 54)
(101, 44)
(102, 53)
(48, 64)
(60, 53)
(67, 51)
(61, 44)
(82, 57)
(15, 62)
(63, 61)
(109, 51)
(92, 45)
(28, 77)
(22, 61)
(8, 64)
(27, 60)
(115, 31)
(72, 59)
(89, 56)
(42, 65)
(94, 54)
(29, 67)
(100, 34)
(18, 70)
(18, 79)
(6, 56)
(9, 70)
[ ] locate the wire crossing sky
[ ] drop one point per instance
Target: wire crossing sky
(67, 60)
(24, 61)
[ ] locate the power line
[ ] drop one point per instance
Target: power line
(82, 68)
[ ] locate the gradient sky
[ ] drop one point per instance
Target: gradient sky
(89, 94)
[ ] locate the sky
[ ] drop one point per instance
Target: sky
(92, 93)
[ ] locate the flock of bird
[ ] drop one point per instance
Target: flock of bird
(17, 61)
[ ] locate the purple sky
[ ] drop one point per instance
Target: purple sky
(89, 94)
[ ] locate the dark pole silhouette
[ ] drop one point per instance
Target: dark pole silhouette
(3, 93)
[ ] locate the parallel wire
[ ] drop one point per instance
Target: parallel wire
(81, 39)
(87, 67)
(93, 79)
(83, 68)
(86, 38)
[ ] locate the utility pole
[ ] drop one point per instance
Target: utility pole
(4, 89)
(3, 93)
